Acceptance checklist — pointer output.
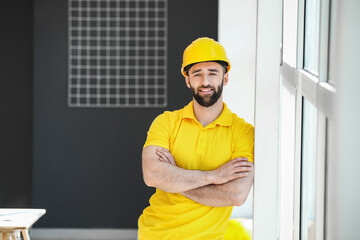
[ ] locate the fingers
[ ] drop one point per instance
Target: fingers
(242, 171)
(165, 156)
(241, 174)
(241, 167)
(162, 157)
(236, 175)
(242, 159)
(165, 152)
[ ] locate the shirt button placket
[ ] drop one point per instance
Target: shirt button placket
(201, 140)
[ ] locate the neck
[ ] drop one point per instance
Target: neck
(206, 115)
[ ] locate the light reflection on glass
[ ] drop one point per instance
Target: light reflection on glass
(311, 45)
(308, 171)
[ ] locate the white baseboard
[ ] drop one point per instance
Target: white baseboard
(82, 234)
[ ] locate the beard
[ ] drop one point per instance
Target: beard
(207, 100)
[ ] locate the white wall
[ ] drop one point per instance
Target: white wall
(344, 191)
(237, 32)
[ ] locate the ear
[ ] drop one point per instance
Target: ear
(187, 81)
(226, 79)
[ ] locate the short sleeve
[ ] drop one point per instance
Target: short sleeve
(159, 132)
(244, 141)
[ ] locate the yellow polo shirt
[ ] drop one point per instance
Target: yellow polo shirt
(171, 215)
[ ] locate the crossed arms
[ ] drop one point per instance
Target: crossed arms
(227, 185)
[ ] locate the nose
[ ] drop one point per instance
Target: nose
(205, 80)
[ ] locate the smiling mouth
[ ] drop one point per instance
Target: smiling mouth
(206, 90)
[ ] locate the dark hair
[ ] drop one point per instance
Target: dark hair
(224, 64)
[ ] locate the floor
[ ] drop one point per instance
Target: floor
(83, 234)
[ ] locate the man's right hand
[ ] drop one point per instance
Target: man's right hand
(236, 168)
(165, 156)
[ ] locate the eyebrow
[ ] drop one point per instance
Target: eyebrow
(195, 71)
(211, 70)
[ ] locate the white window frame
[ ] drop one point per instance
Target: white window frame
(278, 125)
(322, 95)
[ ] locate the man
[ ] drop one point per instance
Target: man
(199, 158)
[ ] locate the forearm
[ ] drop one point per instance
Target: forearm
(233, 193)
(160, 171)
(173, 179)
(170, 178)
(211, 195)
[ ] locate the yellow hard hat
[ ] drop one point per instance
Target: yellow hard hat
(204, 50)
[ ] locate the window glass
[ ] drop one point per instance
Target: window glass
(308, 171)
(332, 46)
(311, 45)
(290, 32)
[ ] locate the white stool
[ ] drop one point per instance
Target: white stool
(14, 234)
(16, 222)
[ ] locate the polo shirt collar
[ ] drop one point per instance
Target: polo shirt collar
(225, 118)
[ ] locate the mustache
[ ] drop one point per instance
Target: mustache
(206, 86)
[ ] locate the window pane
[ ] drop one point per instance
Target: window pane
(312, 24)
(290, 32)
(308, 171)
(332, 45)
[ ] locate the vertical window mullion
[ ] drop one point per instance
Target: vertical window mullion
(297, 165)
(287, 153)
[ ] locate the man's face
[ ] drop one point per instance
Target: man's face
(206, 81)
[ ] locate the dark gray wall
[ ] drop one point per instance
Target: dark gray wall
(16, 96)
(86, 161)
